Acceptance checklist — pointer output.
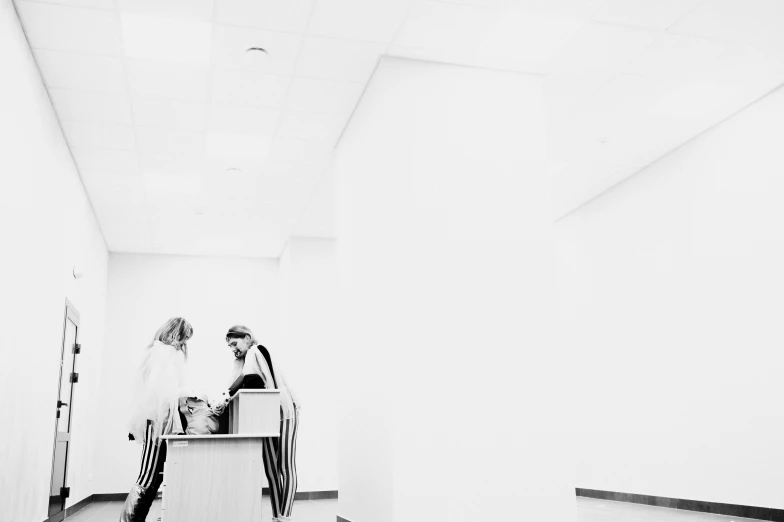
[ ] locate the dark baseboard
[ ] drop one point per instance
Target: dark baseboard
(322, 495)
(108, 497)
(734, 510)
(308, 495)
(113, 497)
(341, 519)
(69, 511)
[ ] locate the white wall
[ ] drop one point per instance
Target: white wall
(310, 340)
(145, 291)
(47, 227)
(671, 287)
(455, 399)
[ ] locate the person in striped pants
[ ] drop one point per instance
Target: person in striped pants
(155, 411)
(253, 368)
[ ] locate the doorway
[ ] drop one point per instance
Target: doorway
(70, 348)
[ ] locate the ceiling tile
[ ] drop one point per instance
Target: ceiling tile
(240, 134)
(131, 234)
(678, 55)
(301, 150)
(167, 175)
(173, 184)
(98, 135)
(329, 96)
(249, 120)
(167, 39)
(105, 160)
(170, 194)
(233, 151)
(574, 9)
(751, 22)
(167, 80)
(216, 235)
(651, 14)
(250, 88)
(234, 191)
(115, 193)
(509, 39)
(95, 107)
(183, 9)
(700, 60)
(81, 71)
(599, 46)
(278, 15)
(274, 172)
(169, 113)
(333, 59)
(292, 189)
(231, 148)
(169, 142)
(95, 4)
(230, 45)
(306, 125)
(305, 137)
(64, 28)
(367, 20)
(120, 206)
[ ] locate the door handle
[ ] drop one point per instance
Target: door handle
(60, 404)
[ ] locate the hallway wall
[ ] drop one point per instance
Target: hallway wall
(670, 292)
(309, 343)
(455, 400)
(48, 228)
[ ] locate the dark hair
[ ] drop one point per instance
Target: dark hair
(240, 332)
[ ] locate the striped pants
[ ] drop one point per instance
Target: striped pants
(153, 458)
(280, 466)
(150, 478)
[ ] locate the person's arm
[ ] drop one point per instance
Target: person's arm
(218, 405)
(236, 385)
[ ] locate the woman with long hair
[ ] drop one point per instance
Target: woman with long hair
(253, 368)
(154, 411)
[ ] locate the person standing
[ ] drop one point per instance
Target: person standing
(155, 412)
(253, 368)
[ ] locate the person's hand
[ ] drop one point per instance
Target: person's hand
(218, 403)
(214, 397)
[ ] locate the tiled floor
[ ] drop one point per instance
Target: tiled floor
(304, 511)
(588, 510)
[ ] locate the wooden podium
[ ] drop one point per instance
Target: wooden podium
(255, 411)
(219, 477)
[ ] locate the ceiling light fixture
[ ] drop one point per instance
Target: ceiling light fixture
(255, 56)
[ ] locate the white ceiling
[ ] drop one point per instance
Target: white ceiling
(189, 145)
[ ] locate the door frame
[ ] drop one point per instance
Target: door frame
(72, 314)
